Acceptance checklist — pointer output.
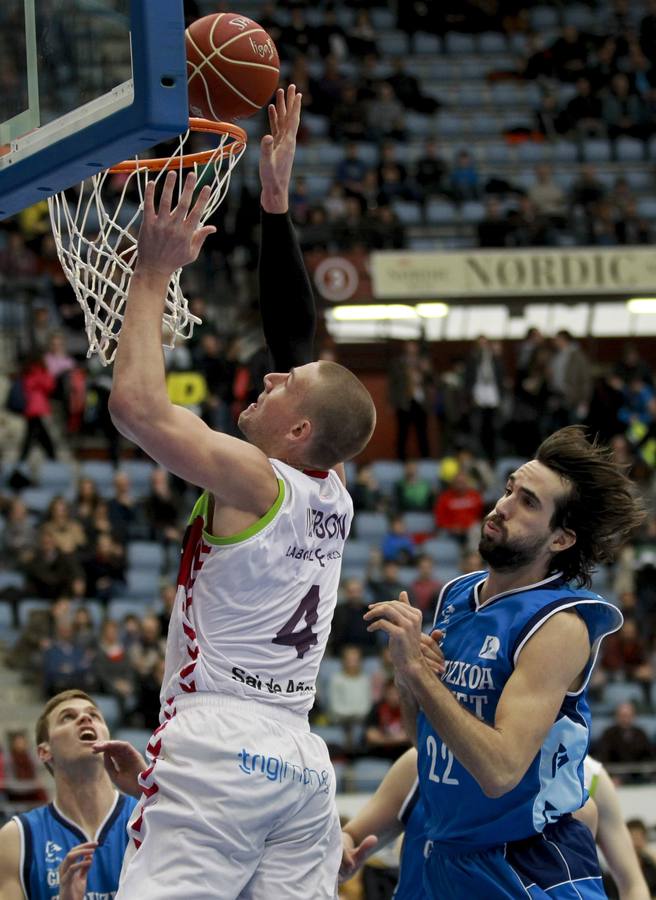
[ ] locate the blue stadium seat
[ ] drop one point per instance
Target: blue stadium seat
(648, 724)
(422, 42)
(444, 550)
(139, 471)
(458, 44)
(600, 722)
(329, 154)
(9, 579)
(408, 213)
(138, 737)
(580, 16)
(331, 734)
(316, 125)
(120, 607)
(472, 211)
(37, 500)
(102, 473)
(392, 43)
(382, 18)
(351, 471)
(647, 207)
(533, 152)
(492, 42)
(630, 150)
(56, 476)
(371, 526)
(28, 605)
(596, 150)
(330, 665)
(419, 522)
(142, 585)
(367, 773)
(6, 617)
(387, 472)
(147, 555)
(640, 180)
(340, 774)
(357, 551)
(372, 665)
(96, 610)
(441, 212)
(109, 707)
(542, 17)
(419, 126)
(617, 692)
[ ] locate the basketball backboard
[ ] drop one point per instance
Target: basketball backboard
(84, 84)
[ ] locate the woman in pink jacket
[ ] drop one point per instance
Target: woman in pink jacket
(38, 385)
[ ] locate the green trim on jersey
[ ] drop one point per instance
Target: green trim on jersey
(201, 509)
(594, 782)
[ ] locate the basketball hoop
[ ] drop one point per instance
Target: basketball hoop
(96, 233)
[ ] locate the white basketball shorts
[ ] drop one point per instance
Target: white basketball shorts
(239, 802)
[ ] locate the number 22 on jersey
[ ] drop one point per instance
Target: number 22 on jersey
(446, 756)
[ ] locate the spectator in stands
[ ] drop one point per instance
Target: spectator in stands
(386, 586)
(637, 402)
(38, 386)
(144, 654)
(493, 229)
(349, 117)
(349, 690)
(161, 510)
(68, 534)
(348, 627)
(318, 232)
(85, 501)
(484, 377)
(530, 417)
(111, 667)
(625, 655)
(625, 742)
(351, 170)
(397, 545)
(365, 491)
(385, 735)
(549, 117)
(361, 36)
(21, 783)
(409, 384)
(328, 89)
(66, 664)
(431, 172)
(527, 227)
(569, 54)
(407, 90)
(465, 461)
(105, 568)
(548, 197)
(638, 832)
(570, 381)
(641, 71)
(167, 595)
(624, 112)
(471, 561)
(583, 113)
(632, 366)
(84, 631)
(413, 493)
(464, 178)
(384, 229)
(459, 509)
(214, 364)
(385, 115)
(50, 573)
(329, 37)
(334, 203)
(18, 536)
(299, 205)
(425, 589)
(149, 687)
(122, 507)
(295, 37)
(631, 228)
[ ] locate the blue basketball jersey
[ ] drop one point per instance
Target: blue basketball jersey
(47, 836)
(481, 646)
(411, 871)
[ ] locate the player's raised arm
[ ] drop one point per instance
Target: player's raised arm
(239, 474)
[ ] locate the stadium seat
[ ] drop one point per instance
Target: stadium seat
(56, 476)
(140, 472)
(120, 607)
(372, 665)
(600, 723)
(383, 18)
(317, 126)
(648, 724)
(422, 42)
(458, 44)
(429, 470)
(138, 737)
(533, 152)
(472, 211)
(647, 207)
(329, 154)
(142, 585)
(392, 43)
(492, 42)
(11, 579)
(617, 692)
(580, 16)
(102, 473)
(596, 150)
(330, 665)
(408, 213)
(6, 618)
(367, 773)
(340, 774)
(542, 17)
(387, 472)
(37, 500)
(419, 522)
(444, 550)
(109, 707)
(629, 150)
(146, 555)
(440, 212)
(333, 735)
(28, 605)
(372, 526)
(356, 552)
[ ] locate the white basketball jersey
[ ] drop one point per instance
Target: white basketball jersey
(253, 612)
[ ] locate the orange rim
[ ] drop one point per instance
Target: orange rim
(205, 126)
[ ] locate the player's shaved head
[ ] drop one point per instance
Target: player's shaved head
(342, 413)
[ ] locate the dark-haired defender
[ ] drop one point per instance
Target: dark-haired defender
(503, 735)
(239, 798)
(73, 847)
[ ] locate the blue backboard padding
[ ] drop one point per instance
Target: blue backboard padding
(159, 111)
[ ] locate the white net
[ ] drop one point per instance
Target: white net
(96, 234)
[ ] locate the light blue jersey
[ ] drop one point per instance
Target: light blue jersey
(481, 646)
(411, 871)
(47, 836)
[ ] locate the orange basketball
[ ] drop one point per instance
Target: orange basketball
(232, 67)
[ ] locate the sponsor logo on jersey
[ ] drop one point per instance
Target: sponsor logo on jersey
(275, 768)
(53, 852)
(559, 759)
(312, 554)
(270, 685)
(461, 674)
(319, 525)
(490, 648)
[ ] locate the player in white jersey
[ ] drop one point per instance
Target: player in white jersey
(239, 798)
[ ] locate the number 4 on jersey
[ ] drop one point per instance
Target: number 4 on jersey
(305, 638)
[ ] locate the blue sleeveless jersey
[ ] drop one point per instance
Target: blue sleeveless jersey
(481, 647)
(47, 836)
(411, 871)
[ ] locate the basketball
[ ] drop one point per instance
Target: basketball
(232, 67)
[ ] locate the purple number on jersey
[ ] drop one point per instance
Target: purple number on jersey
(305, 638)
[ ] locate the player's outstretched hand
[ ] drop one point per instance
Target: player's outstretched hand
(172, 236)
(278, 148)
(353, 857)
(73, 871)
(123, 763)
(402, 624)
